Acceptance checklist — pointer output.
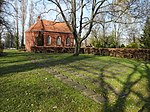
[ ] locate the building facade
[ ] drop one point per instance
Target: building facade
(48, 33)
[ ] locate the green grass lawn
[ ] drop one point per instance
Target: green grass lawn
(25, 85)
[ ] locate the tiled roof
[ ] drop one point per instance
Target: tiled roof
(49, 26)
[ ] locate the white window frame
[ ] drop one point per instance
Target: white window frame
(48, 43)
(57, 41)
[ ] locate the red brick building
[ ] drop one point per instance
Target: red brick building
(48, 33)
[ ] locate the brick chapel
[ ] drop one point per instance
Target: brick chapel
(48, 33)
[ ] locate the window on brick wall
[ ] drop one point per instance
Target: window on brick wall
(48, 40)
(67, 41)
(58, 41)
(74, 42)
(40, 39)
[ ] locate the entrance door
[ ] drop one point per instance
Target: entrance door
(40, 39)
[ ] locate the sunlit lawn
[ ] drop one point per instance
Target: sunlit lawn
(26, 86)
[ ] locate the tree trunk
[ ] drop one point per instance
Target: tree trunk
(17, 25)
(22, 40)
(77, 49)
(17, 36)
(17, 42)
(0, 39)
(24, 4)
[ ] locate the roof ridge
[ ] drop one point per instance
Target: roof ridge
(48, 25)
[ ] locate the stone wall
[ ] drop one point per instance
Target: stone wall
(48, 49)
(139, 54)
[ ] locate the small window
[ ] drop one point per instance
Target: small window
(67, 41)
(58, 41)
(48, 40)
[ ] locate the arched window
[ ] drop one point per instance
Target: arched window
(48, 40)
(58, 41)
(74, 42)
(67, 41)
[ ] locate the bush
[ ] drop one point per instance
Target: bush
(97, 44)
(122, 46)
(142, 46)
(112, 46)
(133, 45)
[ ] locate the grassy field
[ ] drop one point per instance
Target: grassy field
(25, 85)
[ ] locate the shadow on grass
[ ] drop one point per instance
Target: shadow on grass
(122, 101)
(146, 106)
(36, 63)
(122, 96)
(32, 97)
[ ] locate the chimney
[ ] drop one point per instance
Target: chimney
(38, 18)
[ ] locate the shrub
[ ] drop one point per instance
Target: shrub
(122, 46)
(142, 46)
(133, 45)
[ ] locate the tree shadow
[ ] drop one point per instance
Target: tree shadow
(37, 63)
(120, 103)
(122, 97)
(146, 106)
(105, 87)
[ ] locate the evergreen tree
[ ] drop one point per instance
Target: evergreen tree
(146, 34)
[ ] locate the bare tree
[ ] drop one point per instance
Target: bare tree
(1, 5)
(24, 4)
(1, 31)
(17, 24)
(102, 17)
(83, 15)
(79, 20)
(31, 13)
(135, 12)
(1, 27)
(13, 15)
(5, 14)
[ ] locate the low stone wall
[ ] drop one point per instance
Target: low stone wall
(139, 54)
(47, 49)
